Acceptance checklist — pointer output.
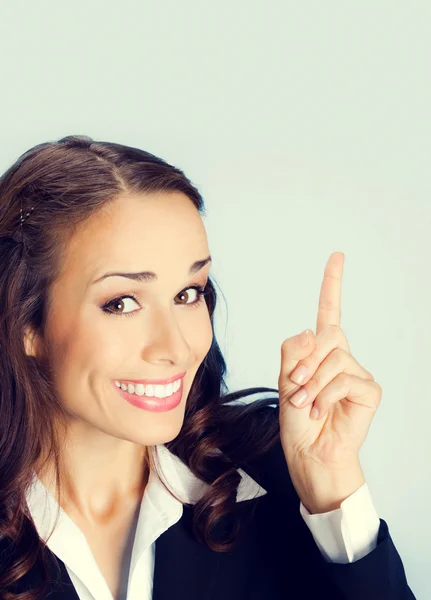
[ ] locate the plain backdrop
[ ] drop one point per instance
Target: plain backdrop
(306, 127)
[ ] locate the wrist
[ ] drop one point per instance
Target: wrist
(323, 490)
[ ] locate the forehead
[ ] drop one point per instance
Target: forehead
(138, 232)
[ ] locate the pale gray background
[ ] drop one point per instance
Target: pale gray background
(306, 127)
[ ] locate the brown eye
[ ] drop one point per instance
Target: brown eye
(117, 305)
(185, 295)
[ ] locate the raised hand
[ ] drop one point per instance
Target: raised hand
(323, 453)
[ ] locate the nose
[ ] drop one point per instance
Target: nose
(165, 341)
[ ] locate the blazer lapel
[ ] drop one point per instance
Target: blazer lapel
(183, 567)
(60, 586)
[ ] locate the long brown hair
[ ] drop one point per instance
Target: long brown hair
(67, 181)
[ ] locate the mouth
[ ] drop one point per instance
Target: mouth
(152, 397)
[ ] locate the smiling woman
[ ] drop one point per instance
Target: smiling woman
(79, 221)
(127, 470)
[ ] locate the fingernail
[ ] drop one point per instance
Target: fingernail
(299, 398)
(314, 414)
(299, 374)
(303, 338)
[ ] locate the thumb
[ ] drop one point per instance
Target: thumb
(293, 350)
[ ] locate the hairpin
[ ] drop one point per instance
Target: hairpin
(23, 218)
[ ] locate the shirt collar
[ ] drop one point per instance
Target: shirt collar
(177, 476)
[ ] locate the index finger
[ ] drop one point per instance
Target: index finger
(329, 312)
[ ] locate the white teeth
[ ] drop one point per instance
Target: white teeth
(139, 389)
(157, 391)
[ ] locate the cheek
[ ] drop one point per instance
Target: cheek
(79, 348)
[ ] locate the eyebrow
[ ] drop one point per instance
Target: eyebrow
(146, 276)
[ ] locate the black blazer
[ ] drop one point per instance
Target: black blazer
(275, 559)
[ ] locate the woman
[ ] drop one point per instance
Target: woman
(126, 470)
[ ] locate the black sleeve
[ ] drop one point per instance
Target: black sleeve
(379, 575)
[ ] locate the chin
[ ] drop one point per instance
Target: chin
(161, 428)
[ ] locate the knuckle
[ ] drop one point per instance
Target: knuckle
(334, 332)
(288, 343)
(341, 338)
(334, 329)
(343, 379)
(337, 359)
(340, 354)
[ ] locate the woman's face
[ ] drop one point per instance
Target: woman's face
(163, 333)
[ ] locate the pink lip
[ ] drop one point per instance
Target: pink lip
(154, 381)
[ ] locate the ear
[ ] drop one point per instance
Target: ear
(33, 344)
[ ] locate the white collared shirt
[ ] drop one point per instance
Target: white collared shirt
(342, 535)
